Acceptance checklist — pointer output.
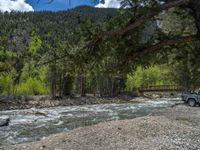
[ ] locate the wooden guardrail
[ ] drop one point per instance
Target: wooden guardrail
(160, 88)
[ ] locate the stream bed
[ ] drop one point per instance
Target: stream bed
(33, 124)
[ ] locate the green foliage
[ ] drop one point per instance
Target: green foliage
(154, 75)
(6, 84)
(185, 66)
(32, 86)
(31, 82)
(41, 55)
(35, 44)
(177, 22)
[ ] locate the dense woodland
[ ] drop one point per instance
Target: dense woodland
(100, 51)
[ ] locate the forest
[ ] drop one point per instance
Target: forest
(82, 78)
(100, 51)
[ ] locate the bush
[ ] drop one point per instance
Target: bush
(5, 84)
(155, 75)
(31, 86)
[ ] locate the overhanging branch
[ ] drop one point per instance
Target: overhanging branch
(160, 45)
(138, 22)
(145, 50)
(129, 27)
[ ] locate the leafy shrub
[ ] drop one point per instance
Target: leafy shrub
(155, 75)
(5, 84)
(31, 86)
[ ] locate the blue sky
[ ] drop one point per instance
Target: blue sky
(32, 5)
(59, 4)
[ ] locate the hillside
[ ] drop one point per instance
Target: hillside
(17, 24)
(17, 28)
(73, 17)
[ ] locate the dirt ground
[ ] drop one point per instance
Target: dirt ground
(176, 128)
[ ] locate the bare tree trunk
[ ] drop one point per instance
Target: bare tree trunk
(53, 88)
(112, 87)
(82, 85)
(53, 82)
(60, 85)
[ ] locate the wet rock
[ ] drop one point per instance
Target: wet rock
(155, 96)
(4, 121)
(37, 112)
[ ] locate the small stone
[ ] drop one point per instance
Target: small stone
(4, 121)
(119, 128)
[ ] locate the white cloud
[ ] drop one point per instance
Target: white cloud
(15, 5)
(109, 4)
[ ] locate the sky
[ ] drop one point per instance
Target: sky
(56, 5)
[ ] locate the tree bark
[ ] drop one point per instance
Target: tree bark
(53, 82)
(82, 85)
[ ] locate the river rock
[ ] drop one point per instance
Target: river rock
(4, 121)
(38, 112)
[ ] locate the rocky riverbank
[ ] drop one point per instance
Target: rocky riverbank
(171, 128)
(26, 102)
(46, 101)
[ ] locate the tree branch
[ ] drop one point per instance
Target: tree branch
(129, 27)
(141, 20)
(158, 46)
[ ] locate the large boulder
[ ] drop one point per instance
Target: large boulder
(4, 121)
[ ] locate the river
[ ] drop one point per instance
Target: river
(33, 124)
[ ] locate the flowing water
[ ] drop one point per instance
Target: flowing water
(33, 124)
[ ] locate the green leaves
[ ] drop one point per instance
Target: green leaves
(74, 43)
(153, 75)
(35, 44)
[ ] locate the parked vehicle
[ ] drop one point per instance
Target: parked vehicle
(191, 98)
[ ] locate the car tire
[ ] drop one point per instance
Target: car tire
(191, 102)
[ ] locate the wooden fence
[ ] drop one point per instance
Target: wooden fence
(160, 88)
